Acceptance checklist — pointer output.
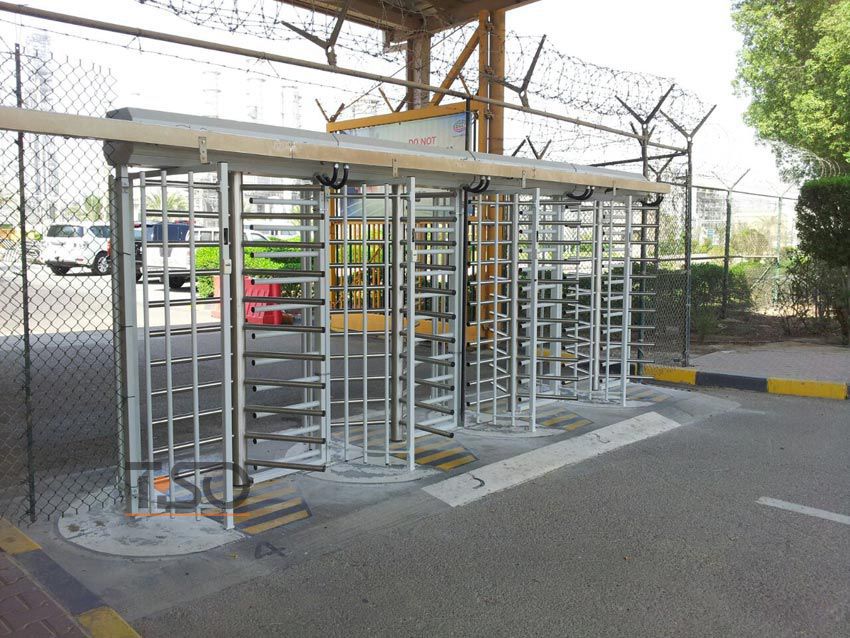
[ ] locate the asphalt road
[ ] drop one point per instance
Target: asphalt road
(76, 302)
(660, 538)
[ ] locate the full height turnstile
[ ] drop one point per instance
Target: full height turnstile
(176, 364)
(559, 301)
(285, 326)
(295, 312)
(282, 357)
(432, 313)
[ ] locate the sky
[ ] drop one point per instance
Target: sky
(692, 42)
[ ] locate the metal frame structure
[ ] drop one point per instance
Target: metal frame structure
(402, 228)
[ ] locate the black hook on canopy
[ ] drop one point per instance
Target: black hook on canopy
(587, 194)
(344, 179)
(334, 181)
(482, 185)
(324, 180)
(655, 203)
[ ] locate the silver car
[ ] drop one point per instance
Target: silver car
(76, 244)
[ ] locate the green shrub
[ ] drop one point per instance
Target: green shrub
(749, 241)
(823, 225)
(207, 258)
(809, 295)
(759, 277)
(707, 286)
(823, 220)
(705, 322)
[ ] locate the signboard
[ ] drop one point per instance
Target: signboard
(445, 131)
(447, 126)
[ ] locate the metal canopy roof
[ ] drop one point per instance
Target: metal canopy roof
(409, 16)
(260, 149)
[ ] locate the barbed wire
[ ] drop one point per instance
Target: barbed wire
(561, 83)
(251, 68)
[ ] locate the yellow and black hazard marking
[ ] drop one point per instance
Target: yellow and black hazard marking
(438, 452)
(554, 416)
(268, 505)
(645, 393)
(432, 450)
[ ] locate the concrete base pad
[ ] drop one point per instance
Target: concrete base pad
(499, 430)
(113, 532)
(358, 472)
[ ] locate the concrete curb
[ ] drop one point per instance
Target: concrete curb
(772, 385)
(86, 607)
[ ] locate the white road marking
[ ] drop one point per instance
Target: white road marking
(802, 509)
(475, 484)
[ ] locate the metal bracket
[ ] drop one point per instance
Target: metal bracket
(395, 167)
(202, 149)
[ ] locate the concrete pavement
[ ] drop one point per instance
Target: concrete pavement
(788, 359)
(800, 368)
(56, 303)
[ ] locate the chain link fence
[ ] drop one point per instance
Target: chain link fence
(58, 440)
(735, 275)
(739, 248)
(670, 306)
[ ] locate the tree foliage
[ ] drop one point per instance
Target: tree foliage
(795, 66)
(175, 202)
(749, 242)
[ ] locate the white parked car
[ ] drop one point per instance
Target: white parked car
(75, 244)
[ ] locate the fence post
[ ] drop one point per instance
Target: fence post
(778, 259)
(126, 335)
(25, 309)
(727, 241)
(689, 204)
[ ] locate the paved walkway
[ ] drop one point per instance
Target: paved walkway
(26, 610)
(788, 360)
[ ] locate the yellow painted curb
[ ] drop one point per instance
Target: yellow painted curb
(672, 375)
(819, 389)
(104, 622)
(14, 541)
